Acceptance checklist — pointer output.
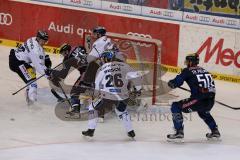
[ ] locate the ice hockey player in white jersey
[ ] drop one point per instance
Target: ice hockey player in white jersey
(101, 44)
(29, 58)
(111, 87)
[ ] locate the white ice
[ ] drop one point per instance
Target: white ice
(35, 133)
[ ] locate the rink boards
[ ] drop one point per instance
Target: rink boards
(219, 48)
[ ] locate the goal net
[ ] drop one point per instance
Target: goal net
(143, 54)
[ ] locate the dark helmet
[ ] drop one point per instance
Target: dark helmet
(193, 58)
(80, 52)
(100, 30)
(65, 47)
(108, 56)
(42, 35)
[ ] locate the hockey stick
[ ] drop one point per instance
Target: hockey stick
(34, 80)
(64, 93)
(59, 98)
(223, 104)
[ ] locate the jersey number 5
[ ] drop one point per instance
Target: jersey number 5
(205, 80)
(114, 80)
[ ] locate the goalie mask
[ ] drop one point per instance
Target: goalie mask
(80, 53)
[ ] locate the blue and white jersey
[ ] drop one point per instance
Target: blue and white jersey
(198, 79)
(32, 53)
(113, 78)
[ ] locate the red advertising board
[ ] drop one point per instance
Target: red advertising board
(67, 25)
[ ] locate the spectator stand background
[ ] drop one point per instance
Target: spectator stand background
(227, 8)
(223, 13)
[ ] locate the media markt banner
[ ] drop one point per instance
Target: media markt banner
(226, 7)
(218, 48)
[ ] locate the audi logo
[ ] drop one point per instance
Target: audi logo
(142, 36)
(88, 3)
(204, 19)
(231, 22)
(5, 19)
(168, 14)
(127, 8)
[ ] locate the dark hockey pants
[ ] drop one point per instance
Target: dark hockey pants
(23, 69)
(201, 106)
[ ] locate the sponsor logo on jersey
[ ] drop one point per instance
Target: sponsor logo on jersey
(6, 19)
(113, 70)
(115, 90)
(25, 72)
(224, 57)
(31, 44)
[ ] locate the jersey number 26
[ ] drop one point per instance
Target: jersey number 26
(114, 80)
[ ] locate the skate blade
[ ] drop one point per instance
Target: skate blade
(72, 116)
(132, 138)
(87, 138)
(214, 139)
(178, 140)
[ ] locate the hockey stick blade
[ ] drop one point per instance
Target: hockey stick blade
(223, 104)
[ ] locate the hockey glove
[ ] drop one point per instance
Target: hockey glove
(171, 84)
(48, 62)
(53, 77)
(48, 72)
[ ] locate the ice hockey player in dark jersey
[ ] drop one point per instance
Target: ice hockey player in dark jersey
(75, 58)
(201, 100)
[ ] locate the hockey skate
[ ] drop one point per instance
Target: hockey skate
(214, 135)
(131, 134)
(177, 137)
(74, 111)
(88, 133)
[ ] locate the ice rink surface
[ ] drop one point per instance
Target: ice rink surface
(35, 133)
